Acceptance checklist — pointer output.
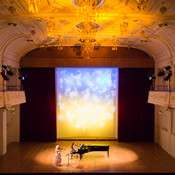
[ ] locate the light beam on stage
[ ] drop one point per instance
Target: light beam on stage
(87, 102)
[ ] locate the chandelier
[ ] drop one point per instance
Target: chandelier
(142, 4)
(87, 13)
(88, 9)
(87, 31)
(33, 5)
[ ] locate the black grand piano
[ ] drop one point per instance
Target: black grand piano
(83, 148)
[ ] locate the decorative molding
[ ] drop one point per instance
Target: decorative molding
(172, 100)
(165, 99)
(13, 98)
(159, 98)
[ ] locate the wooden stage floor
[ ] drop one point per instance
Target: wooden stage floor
(37, 157)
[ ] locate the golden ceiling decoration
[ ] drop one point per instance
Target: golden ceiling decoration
(88, 22)
(142, 4)
(33, 5)
(88, 10)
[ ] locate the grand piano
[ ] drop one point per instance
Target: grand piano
(83, 148)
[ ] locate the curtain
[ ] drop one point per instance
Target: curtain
(38, 114)
(135, 115)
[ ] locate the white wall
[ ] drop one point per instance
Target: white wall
(165, 129)
(165, 118)
(9, 119)
(13, 124)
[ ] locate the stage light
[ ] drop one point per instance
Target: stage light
(9, 72)
(161, 73)
(22, 74)
(152, 77)
(168, 76)
(4, 76)
(167, 68)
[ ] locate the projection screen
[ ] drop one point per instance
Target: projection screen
(87, 102)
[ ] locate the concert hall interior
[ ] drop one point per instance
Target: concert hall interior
(87, 86)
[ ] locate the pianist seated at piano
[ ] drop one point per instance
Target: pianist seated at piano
(74, 150)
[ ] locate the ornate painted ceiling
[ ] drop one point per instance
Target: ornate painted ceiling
(148, 25)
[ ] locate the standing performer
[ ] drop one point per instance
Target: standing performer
(57, 156)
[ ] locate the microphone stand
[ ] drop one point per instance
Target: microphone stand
(68, 164)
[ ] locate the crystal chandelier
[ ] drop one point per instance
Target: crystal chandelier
(87, 13)
(33, 5)
(88, 9)
(87, 31)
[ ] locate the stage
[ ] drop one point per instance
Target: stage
(39, 157)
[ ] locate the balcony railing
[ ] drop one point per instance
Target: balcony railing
(11, 87)
(160, 88)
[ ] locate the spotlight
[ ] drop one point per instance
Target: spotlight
(3, 66)
(161, 73)
(152, 77)
(22, 74)
(7, 69)
(4, 76)
(9, 72)
(168, 76)
(167, 68)
(21, 78)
